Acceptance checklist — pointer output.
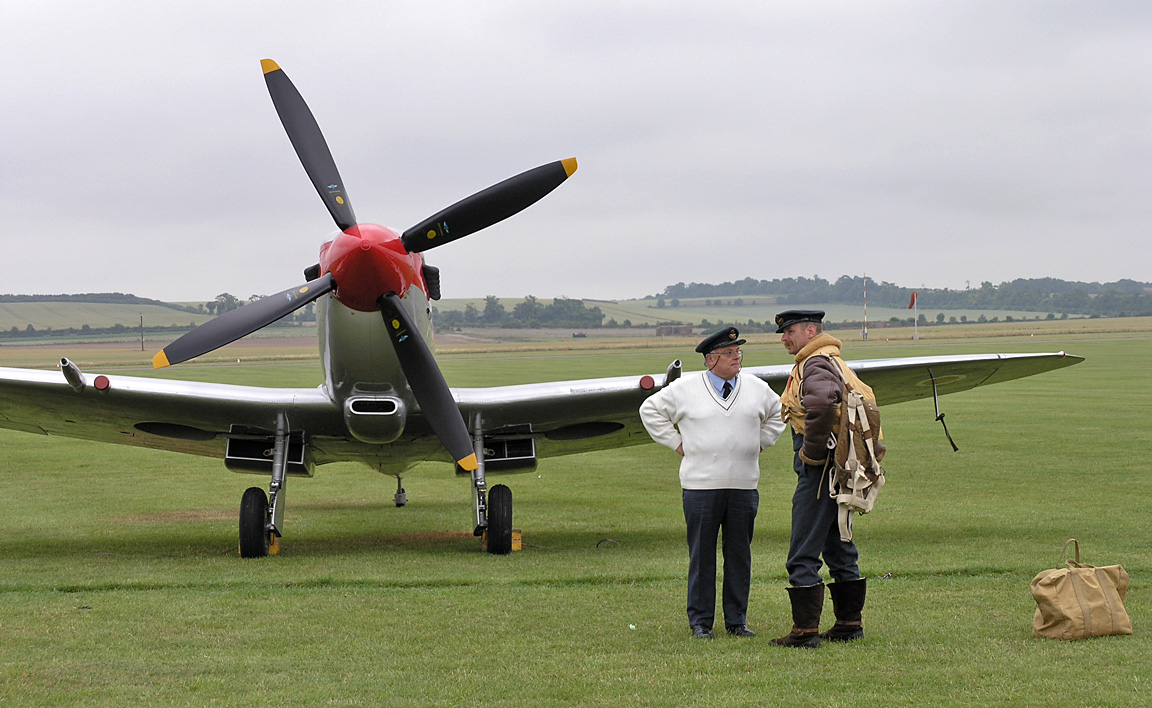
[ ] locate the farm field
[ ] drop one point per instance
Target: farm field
(298, 344)
(643, 312)
(761, 308)
(120, 583)
(62, 315)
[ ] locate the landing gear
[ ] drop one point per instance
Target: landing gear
(500, 520)
(261, 517)
(479, 483)
(492, 509)
(401, 497)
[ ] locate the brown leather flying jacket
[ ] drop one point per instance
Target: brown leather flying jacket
(811, 399)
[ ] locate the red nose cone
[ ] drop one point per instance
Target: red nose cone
(368, 261)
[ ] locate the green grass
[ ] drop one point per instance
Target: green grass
(119, 582)
(62, 315)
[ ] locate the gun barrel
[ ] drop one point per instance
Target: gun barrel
(73, 374)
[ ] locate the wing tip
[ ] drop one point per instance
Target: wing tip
(269, 66)
(569, 166)
(160, 360)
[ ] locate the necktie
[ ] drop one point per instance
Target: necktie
(727, 388)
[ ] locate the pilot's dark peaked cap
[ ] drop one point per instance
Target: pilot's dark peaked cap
(724, 338)
(790, 317)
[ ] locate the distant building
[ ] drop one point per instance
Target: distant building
(674, 331)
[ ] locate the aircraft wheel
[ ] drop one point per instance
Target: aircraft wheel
(254, 541)
(500, 520)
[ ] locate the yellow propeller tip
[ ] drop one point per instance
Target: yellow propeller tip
(569, 165)
(468, 463)
(160, 360)
(269, 66)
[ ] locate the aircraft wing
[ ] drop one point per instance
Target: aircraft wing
(180, 416)
(562, 418)
(911, 378)
(567, 417)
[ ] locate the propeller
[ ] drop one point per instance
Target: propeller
(309, 142)
(465, 217)
(427, 383)
(487, 206)
(234, 324)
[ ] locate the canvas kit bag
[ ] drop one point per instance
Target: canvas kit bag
(1080, 600)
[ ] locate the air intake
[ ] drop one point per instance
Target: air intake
(375, 419)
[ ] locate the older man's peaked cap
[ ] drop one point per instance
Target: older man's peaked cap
(724, 338)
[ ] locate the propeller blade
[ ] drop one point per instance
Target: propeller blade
(427, 382)
(488, 206)
(309, 142)
(234, 324)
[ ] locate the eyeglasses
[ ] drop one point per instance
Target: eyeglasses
(730, 355)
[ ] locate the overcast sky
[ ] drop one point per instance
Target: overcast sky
(920, 143)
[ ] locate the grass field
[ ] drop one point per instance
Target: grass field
(120, 585)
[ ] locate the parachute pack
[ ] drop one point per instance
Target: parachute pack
(857, 476)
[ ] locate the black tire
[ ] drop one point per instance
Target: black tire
(253, 520)
(500, 520)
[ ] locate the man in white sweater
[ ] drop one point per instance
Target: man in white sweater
(719, 422)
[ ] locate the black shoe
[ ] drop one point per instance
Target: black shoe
(701, 632)
(740, 630)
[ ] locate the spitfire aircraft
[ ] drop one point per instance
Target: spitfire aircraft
(384, 402)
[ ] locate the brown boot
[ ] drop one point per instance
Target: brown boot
(847, 604)
(807, 604)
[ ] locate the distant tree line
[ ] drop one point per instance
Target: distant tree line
(1119, 299)
(1122, 298)
(530, 313)
(85, 330)
(117, 329)
(109, 298)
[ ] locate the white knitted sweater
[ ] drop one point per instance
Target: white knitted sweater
(722, 438)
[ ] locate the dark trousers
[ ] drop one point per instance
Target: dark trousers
(815, 529)
(706, 511)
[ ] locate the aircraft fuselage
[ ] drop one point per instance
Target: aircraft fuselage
(362, 372)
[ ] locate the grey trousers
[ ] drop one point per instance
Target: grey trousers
(706, 511)
(815, 530)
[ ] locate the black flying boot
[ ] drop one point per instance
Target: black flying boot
(847, 604)
(807, 604)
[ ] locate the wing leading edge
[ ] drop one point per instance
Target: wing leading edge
(911, 378)
(180, 416)
(579, 416)
(563, 417)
